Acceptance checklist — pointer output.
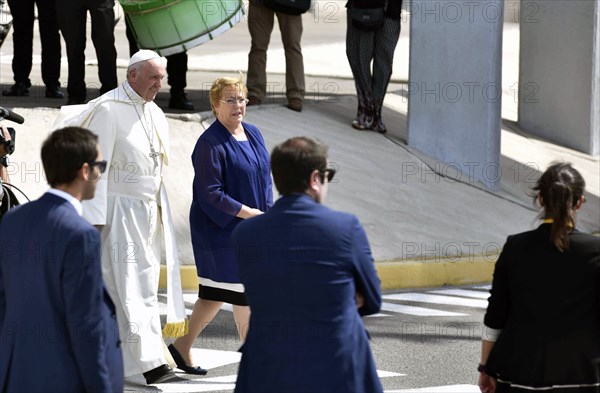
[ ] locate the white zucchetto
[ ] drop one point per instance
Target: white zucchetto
(143, 55)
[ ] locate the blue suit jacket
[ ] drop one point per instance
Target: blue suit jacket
(58, 330)
(301, 264)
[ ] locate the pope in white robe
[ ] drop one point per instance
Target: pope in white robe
(132, 209)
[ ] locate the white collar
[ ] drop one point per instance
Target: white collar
(133, 96)
(70, 198)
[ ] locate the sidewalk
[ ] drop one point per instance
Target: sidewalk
(428, 224)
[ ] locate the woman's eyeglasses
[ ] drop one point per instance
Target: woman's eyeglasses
(235, 101)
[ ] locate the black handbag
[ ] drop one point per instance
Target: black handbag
(364, 18)
(290, 7)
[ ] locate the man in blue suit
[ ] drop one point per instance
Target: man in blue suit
(308, 276)
(58, 331)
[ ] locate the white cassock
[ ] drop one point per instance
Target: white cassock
(131, 202)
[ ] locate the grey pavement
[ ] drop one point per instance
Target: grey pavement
(416, 211)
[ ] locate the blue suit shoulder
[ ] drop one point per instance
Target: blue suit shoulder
(342, 220)
(48, 208)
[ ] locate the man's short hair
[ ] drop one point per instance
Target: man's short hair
(65, 151)
(294, 160)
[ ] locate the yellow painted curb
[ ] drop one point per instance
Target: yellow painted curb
(414, 273)
(435, 273)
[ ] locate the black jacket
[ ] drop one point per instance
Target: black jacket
(392, 11)
(547, 304)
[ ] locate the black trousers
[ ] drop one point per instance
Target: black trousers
(176, 64)
(72, 18)
(376, 47)
(23, 17)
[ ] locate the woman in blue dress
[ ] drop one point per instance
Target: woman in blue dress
(232, 182)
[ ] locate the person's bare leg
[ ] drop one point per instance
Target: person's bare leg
(203, 313)
(241, 315)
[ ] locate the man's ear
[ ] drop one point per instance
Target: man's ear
(314, 181)
(84, 172)
(131, 75)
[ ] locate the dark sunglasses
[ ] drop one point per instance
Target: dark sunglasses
(328, 173)
(100, 164)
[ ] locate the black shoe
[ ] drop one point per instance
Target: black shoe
(19, 89)
(54, 92)
(180, 101)
(295, 104)
(162, 373)
(182, 365)
(75, 101)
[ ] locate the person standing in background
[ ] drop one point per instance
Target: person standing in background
(260, 25)
(23, 14)
(72, 20)
(377, 47)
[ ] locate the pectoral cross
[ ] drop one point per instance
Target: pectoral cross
(154, 154)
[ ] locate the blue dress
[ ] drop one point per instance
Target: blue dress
(226, 175)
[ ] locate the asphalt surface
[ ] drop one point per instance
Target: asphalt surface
(417, 212)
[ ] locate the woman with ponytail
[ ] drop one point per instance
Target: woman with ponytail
(542, 326)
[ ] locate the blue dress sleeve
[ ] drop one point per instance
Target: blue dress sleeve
(209, 183)
(265, 162)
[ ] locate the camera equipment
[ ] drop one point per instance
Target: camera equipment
(9, 146)
(8, 200)
(10, 115)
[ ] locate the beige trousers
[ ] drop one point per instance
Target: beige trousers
(260, 25)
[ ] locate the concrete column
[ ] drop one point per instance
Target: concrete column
(455, 86)
(559, 72)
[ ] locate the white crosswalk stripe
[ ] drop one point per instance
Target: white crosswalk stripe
(421, 311)
(437, 299)
(440, 389)
(462, 292)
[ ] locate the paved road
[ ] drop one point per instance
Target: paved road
(422, 339)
